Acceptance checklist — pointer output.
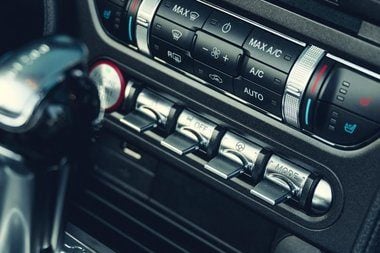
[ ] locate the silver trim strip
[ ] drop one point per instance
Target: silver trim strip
(354, 66)
(253, 23)
(144, 18)
(297, 82)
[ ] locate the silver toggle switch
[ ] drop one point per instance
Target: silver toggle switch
(236, 155)
(151, 111)
(283, 180)
(281, 173)
(192, 132)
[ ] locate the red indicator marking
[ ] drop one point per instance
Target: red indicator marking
(319, 76)
(365, 102)
(134, 5)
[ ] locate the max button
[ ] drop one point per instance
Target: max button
(273, 50)
(189, 14)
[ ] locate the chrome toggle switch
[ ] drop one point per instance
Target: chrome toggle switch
(284, 180)
(236, 155)
(151, 111)
(192, 132)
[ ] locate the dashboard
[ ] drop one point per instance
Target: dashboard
(230, 126)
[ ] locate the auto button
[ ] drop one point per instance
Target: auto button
(261, 97)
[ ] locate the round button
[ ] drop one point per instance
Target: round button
(110, 82)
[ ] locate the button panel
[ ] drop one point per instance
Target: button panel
(284, 77)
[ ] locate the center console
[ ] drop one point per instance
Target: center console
(273, 127)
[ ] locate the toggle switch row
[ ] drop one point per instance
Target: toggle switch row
(275, 179)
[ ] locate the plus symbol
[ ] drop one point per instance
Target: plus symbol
(226, 59)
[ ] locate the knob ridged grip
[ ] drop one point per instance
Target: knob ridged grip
(296, 84)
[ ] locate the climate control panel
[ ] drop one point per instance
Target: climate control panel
(300, 84)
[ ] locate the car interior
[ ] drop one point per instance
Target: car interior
(202, 126)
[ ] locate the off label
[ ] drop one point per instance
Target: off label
(200, 126)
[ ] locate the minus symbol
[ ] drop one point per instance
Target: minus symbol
(204, 48)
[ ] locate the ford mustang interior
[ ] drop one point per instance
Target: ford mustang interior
(202, 126)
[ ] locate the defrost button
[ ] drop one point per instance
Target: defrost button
(189, 14)
(172, 33)
(171, 54)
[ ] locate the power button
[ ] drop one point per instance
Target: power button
(227, 27)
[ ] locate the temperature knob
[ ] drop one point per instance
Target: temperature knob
(111, 84)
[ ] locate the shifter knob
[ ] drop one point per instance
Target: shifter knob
(48, 107)
(44, 93)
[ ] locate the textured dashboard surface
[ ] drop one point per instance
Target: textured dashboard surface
(358, 171)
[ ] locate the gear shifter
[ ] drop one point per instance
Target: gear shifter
(48, 109)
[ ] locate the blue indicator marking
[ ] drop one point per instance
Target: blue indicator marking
(130, 28)
(107, 14)
(307, 113)
(350, 128)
